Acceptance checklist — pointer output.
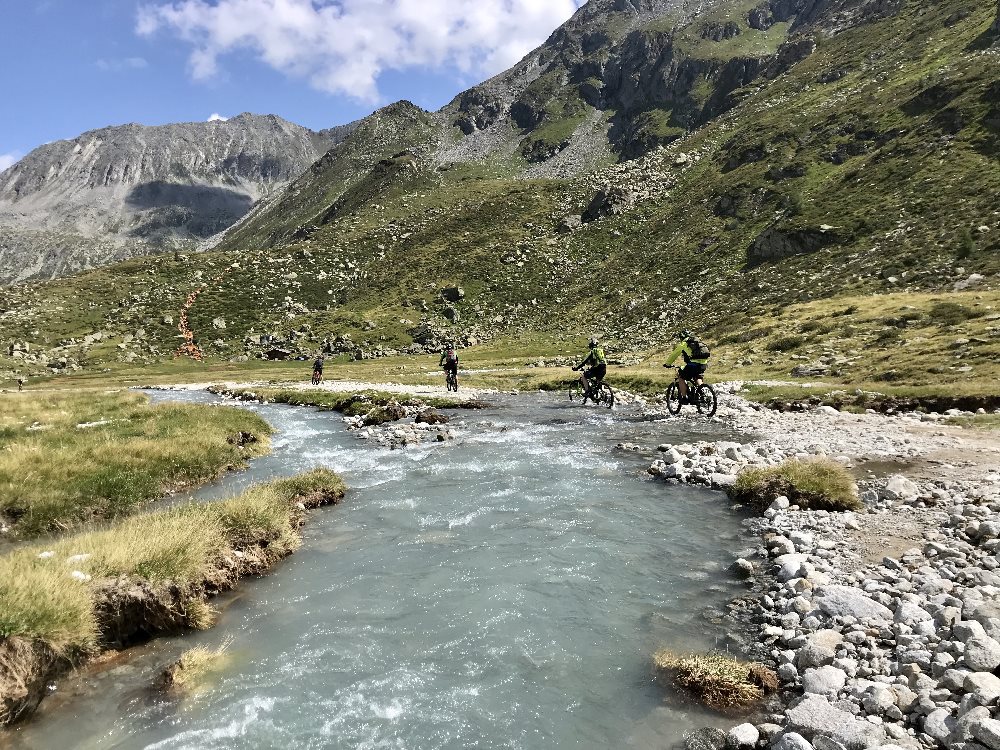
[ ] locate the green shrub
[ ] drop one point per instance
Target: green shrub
(952, 313)
(966, 245)
(786, 343)
(812, 484)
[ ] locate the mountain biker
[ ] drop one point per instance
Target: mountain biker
(318, 369)
(598, 365)
(449, 361)
(695, 355)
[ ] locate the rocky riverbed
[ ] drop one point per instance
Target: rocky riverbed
(883, 625)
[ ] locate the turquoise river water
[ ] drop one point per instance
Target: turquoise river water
(503, 590)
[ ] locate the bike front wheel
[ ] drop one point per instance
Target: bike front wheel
(706, 400)
(605, 395)
(674, 399)
(575, 392)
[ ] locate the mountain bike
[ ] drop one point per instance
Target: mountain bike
(598, 391)
(451, 380)
(702, 397)
(317, 377)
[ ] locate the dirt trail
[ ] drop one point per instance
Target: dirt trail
(189, 348)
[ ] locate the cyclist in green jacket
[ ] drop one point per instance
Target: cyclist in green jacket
(596, 364)
(695, 355)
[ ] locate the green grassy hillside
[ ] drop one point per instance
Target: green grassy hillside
(855, 185)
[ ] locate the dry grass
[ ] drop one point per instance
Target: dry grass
(812, 484)
(46, 591)
(56, 474)
(720, 681)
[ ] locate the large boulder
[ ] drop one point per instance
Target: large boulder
(939, 724)
(982, 654)
(826, 681)
(845, 601)
(987, 731)
(814, 717)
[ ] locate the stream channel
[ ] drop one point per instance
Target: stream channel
(506, 589)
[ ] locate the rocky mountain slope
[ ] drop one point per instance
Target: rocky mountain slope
(846, 176)
(129, 190)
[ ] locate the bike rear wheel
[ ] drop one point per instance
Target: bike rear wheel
(605, 395)
(674, 399)
(706, 400)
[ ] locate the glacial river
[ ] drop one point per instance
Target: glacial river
(503, 590)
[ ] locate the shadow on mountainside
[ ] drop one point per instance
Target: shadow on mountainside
(201, 210)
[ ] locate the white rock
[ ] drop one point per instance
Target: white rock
(826, 681)
(899, 488)
(743, 737)
(791, 741)
(982, 654)
(939, 724)
(846, 601)
(987, 731)
(985, 685)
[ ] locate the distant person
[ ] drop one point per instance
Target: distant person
(596, 365)
(20, 384)
(317, 377)
(449, 361)
(696, 354)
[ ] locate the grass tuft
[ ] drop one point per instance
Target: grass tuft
(812, 484)
(196, 664)
(720, 681)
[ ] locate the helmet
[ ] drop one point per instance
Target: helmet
(593, 342)
(685, 335)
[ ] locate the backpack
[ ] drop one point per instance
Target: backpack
(699, 349)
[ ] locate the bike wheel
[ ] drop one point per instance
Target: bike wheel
(575, 392)
(706, 400)
(674, 399)
(605, 395)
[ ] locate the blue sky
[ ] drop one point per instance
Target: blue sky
(67, 66)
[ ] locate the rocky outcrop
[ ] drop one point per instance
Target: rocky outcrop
(776, 244)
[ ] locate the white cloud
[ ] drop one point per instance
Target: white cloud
(118, 65)
(343, 46)
(216, 117)
(9, 160)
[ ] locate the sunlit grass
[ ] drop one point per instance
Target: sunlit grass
(47, 591)
(67, 458)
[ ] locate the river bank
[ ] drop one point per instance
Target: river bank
(883, 625)
(824, 601)
(70, 600)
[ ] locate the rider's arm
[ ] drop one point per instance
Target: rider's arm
(681, 348)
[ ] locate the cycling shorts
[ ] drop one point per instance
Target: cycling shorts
(693, 371)
(596, 372)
